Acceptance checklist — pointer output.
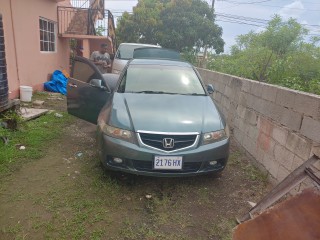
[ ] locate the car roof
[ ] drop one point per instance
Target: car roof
(167, 62)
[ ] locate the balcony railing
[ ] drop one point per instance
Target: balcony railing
(87, 3)
(84, 21)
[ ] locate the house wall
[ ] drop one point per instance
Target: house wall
(278, 126)
(26, 65)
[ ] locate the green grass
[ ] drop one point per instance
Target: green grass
(96, 205)
(36, 135)
(223, 229)
(254, 174)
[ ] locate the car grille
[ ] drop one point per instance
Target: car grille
(148, 167)
(156, 140)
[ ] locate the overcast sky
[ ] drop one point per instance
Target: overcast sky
(234, 16)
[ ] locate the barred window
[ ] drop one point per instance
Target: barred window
(47, 35)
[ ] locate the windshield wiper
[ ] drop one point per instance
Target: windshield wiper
(193, 94)
(149, 92)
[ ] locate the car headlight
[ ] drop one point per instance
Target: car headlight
(216, 136)
(116, 132)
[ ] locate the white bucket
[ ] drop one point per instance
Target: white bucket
(25, 93)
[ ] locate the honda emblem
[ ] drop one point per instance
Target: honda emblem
(168, 142)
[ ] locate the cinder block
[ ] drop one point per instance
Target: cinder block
(238, 134)
(253, 133)
(236, 84)
(246, 127)
(291, 119)
(219, 77)
(269, 92)
(299, 145)
(311, 128)
(282, 173)
(256, 89)
(235, 93)
(250, 117)
(316, 165)
(266, 143)
(315, 150)
(265, 125)
(273, 110)
(248, 144)
(228, 92)
(241, 111)
(258, 154)
(241, 124)
(280, 134)
(261, 106)
(297, 162)
(308, 105)
(236, 122)
(285, 97)
(252, 101)
(233, 109)
(243, 99)
(283, 156)
(219, 87)
(246, 85)
(224, 110)
(257, 103)
(271, 165)
(216, 96)
(225, 102)
(226, 79)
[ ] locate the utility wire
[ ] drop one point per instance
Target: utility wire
(266, 5)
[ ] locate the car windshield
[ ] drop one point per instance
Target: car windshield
(126, 51)
(158, 79)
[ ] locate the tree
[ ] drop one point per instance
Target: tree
(177, 24)
(277, 55)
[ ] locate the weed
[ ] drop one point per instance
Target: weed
(254, 174)
(223, 229)
(13, 229)
(234, 158)
(35, 136)
(96, 234)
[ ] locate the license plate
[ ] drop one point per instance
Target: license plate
(167, 162)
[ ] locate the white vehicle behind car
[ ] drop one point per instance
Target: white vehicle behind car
(125, 53)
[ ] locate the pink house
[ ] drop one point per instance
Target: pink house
(38, 36)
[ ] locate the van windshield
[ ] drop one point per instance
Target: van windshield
(125, 52)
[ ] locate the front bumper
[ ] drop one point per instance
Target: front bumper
(139, 159)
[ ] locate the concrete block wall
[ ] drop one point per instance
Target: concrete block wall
(279, 127)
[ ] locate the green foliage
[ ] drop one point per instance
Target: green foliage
(11, 118)
(100, 30)
(179, 25)
(277, 55)
(190, 56)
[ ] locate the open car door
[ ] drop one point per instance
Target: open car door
(87, 90)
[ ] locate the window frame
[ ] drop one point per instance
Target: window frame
(48, 35)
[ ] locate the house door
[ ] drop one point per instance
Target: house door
(3, 70)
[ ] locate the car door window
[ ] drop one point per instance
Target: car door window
(84, 72)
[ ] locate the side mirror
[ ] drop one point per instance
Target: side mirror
(95, 83)
(210, 88)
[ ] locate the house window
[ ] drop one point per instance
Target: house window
(47, 35)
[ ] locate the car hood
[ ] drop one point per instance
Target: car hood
(164, 113)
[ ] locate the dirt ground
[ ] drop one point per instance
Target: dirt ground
(67, 195)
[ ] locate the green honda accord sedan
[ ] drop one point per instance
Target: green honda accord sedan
(156, 118)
